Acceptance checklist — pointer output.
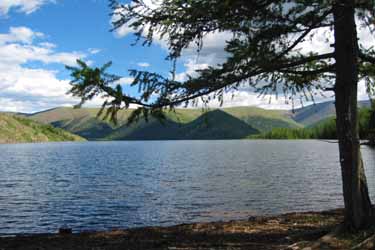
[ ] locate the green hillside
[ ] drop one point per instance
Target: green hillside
(14, 129)
(323, 129)
(211, 125)
(228, 123)
(262, 119)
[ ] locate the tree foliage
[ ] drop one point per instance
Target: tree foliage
(264, 54)
(262, 51)
(371, 125)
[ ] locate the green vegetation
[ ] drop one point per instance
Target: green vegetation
(228, 123)
(324, 129)
(215, 124)
(14, 129)
(284, 134)
(263, 51)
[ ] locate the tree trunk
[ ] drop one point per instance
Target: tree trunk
(358, 209)
(371, 127)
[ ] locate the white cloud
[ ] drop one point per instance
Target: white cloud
(323, 40)
(366, 38)
(47, 45)
(17, 47)
(318, 43)
(28, 89)
(362, 91)
(35, 82)
(125, 80)
(123, 31)
(24, 6)
(191, 66)
(144, 64)
(19, 54)
(19, 34)
(94, 51)
(246, 98)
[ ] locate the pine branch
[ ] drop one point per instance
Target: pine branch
(367, 58)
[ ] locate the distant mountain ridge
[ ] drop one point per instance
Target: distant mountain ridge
(312, 114)
(216, 124)
(228, 123)
(225, 123)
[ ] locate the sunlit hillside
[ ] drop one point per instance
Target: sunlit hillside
(16, 129)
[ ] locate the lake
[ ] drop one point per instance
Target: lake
(107, 185)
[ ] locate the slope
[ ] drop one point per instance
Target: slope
(212, 125)
(312, 114)
(84, 122)
(14, 129)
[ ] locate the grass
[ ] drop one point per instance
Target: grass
(14, 129)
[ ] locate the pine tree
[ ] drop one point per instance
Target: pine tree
(262, 53)
(371, 125)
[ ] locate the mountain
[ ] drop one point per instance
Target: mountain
(14, 129)
(215, 124)
(263, 120)
(315, 113)
(227, 123)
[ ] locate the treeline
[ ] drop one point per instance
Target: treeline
(325, 129)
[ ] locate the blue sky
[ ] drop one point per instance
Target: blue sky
(63, 31)
(39, 37)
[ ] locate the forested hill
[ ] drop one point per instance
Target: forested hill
(226, 123)
(15, 129)
(229, 123)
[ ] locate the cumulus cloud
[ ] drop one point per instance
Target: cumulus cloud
(19, 34)
(24, 6)
(47, 45)
(247, 98)
(191, 66)
(26, 89)
(323, 39)
(13, 54)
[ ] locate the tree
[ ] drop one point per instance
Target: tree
(263, 54)
(371, 125)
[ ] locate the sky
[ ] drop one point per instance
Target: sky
(39, 37)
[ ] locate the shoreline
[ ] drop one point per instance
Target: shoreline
(258, 233)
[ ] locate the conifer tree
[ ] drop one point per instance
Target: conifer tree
(263, 54)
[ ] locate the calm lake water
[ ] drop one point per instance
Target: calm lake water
(107, 185)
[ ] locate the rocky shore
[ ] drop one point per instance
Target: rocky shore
(289, 231)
